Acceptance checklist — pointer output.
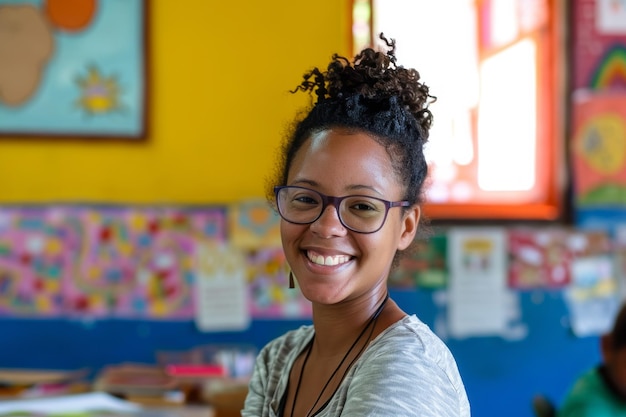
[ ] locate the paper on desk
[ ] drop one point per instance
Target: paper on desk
(93, 401)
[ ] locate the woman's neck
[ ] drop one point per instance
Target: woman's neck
(338, 325)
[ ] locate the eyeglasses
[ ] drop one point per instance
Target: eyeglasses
(359, 213)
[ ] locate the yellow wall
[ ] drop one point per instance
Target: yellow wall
(220, 72)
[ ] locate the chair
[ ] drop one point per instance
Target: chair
(543, 407)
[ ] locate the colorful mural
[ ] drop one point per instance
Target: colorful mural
(123, 262)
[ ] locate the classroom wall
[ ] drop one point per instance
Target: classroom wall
(219, 76)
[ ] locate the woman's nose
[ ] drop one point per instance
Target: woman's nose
(328, 224)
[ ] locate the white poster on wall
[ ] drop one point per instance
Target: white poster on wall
(592, 297)
(478, 294)
(611, 17)
(220, 296)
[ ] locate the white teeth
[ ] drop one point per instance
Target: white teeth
(329, 260)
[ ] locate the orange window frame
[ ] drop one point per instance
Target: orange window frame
(550, 149)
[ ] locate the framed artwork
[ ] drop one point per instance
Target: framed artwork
(73, 68)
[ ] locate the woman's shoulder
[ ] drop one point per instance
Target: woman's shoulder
(409, 357)
(411, 327)
(412, 336)
(294, 339)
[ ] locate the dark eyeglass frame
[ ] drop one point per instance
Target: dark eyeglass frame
(336, 202)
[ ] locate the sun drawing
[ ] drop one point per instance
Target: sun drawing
(99, 94)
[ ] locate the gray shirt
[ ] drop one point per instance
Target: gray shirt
(405, 371)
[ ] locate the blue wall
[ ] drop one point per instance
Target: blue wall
(500, 376)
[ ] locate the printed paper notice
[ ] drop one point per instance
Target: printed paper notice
(221, 302)
(611, 17)
(592, 297)
(477, 282)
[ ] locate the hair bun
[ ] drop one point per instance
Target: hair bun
(372, 75)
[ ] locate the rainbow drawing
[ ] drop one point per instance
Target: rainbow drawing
(611, 70)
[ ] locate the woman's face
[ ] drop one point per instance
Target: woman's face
(330, 262)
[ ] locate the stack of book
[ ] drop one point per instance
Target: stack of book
(31, 383)
(143, 384)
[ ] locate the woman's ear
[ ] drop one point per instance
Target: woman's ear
(410, 222)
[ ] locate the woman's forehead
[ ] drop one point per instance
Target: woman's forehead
(344, 158)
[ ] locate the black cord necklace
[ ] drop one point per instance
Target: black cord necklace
(371, 320)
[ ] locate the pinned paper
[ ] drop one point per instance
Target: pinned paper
(221, 301)
(253, 224)
(477, 282)
(611, 17)
(425, 267)
(539, 258)
(592, 299)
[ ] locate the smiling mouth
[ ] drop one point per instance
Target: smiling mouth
(327, 260)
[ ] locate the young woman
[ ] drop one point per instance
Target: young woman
(348, 191)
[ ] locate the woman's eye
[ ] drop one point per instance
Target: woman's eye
(363, 207)
(305, 199)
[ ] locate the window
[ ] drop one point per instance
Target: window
(495, 150)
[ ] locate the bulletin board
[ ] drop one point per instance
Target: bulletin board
(598, 122)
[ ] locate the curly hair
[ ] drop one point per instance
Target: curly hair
(374, 95)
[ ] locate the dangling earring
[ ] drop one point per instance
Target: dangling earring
(291, 282)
